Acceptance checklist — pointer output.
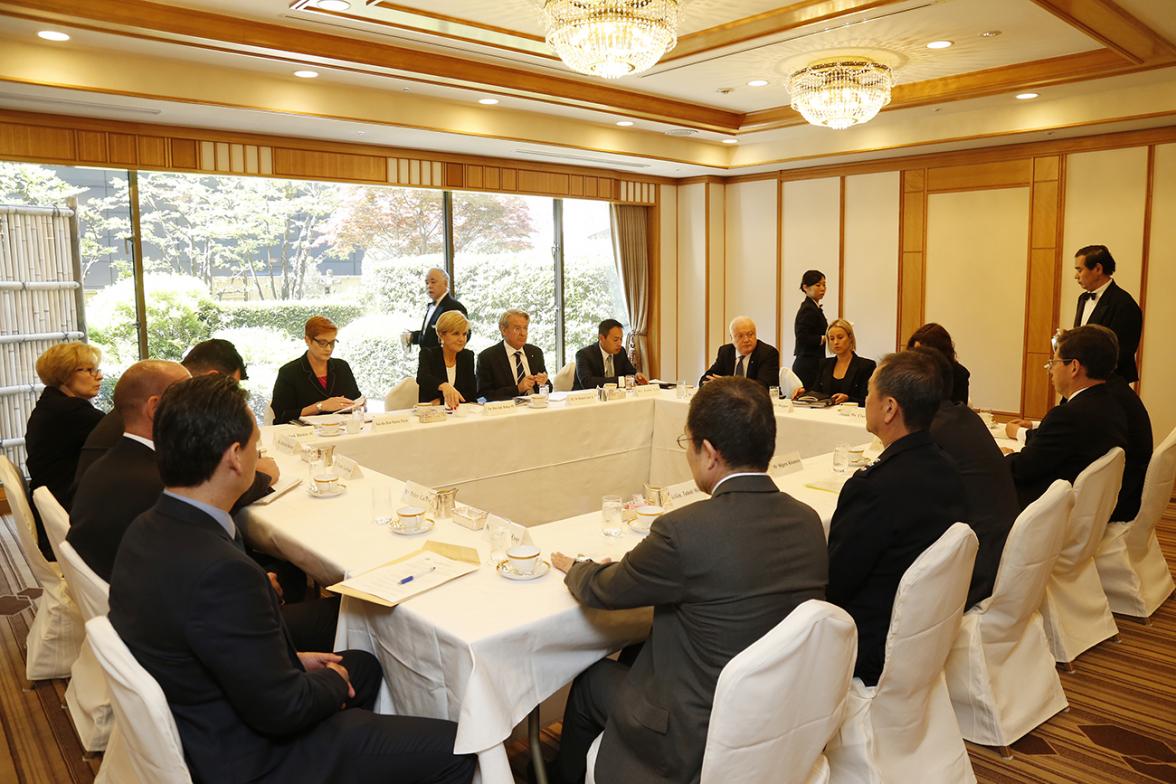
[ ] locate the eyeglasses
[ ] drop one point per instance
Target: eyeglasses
(325, 343)
(93, 371)
(1049, 365)
(684, 441)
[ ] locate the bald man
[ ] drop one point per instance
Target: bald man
(746, 355)
(440, 300)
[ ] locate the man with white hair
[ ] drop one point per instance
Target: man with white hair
(512, 366)
(746, 355)
(440, 300)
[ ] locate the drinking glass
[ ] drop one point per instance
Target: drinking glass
(611, 515)
(841, 458)
(500, 538)
(680, 390)
(382, 504)
(774, 393)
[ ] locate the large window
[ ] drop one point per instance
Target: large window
(592, 289)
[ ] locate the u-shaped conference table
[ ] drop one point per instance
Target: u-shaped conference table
(481, 650)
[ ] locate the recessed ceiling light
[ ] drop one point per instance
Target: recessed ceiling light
(758, 83)
(990, 34)
(624, 123)
(1026, 96)
(333, 5)
(306, 74)
(53, 35)
(487, 101)
(730, 141)
(939, 44)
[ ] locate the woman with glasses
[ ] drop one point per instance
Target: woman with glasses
(61, 420)
(316, 382)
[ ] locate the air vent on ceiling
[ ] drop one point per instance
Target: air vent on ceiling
(681, 132)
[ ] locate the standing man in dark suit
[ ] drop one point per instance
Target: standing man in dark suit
(206, 625)
(512, 366)
(440, 301)
(745, 355)
(1076, 433)
(889, 513)
(1105, 303)
(605, 361)
(990, 497)
(719, 573)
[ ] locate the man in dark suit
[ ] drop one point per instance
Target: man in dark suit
(511, 366)
(603, 362)
(990, 497)
(889, 513)
(440, 301)
(1079, 431)
(719, 573)
(1103, 302)
(206, 625)
(745, 355)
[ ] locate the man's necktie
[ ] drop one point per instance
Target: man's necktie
(739, 367)
(608, 367)
(519, 372)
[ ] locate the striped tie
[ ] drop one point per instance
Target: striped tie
(519, 372)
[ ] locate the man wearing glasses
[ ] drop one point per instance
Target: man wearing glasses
(1083, 428)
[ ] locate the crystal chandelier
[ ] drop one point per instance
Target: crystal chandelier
(841, 92)
(611, 38)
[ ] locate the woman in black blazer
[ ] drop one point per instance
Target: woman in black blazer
(810, 328)
(61, 420)
(445, 373)
(845, 376)
(934, 336)
(315, 383)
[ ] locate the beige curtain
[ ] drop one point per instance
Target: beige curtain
(630, 231)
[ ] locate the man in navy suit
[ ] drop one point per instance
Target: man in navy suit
(440, 300)
(746, 355)
(1103, 302)
(604, 361)
(512, 366)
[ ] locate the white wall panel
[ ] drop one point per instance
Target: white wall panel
(1157, 370)
(716, 269)
(668, 281)
(1105, 194)
(965, 232)
(751, 254)
(871, 260)
(811, 215)
(691, 321)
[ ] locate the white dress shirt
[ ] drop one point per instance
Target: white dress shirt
(607, 359)
(1089, 304)
(220, 515)
(732, 476)
(510, 355)
(451, 374)
(147, 442)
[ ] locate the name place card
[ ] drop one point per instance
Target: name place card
(498, 407)
(347, 468)
(384, 422)
(431, 414)
(684, 493)
(608, 393)
(286, 442)
(647, 390)
(419, 495)
(788, 463)
(581, 397)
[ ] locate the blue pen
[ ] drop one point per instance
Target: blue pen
(412, 577)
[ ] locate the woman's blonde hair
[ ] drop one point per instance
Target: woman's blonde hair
(59, 362)
(848, 327)
(452, 322)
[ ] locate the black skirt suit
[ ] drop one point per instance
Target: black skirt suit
(431, 375)
(297, 387)
(810, 327)
(855, 383)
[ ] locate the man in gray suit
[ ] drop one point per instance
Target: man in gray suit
(719, 573)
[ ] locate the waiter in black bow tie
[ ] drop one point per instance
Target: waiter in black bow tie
(1103, 302)
(437, 285)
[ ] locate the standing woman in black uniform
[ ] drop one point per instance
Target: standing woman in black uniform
(810, 328)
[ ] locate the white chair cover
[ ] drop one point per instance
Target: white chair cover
(565, 377)
(780, 700)
(86, 697)
(1000, 672)
(788, 381)
(145, 745)
(1075, 610)
(1134, 574)
(268, 417)
(56, 632)
(904, 730)
(403, 395)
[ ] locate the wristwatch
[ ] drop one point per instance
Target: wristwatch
(319, 406)
(582, 558)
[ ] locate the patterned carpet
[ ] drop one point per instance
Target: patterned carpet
(1120, 729)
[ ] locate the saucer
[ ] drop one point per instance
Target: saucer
(310, 491)
(636, 526)
(334, 434)
(424, 528)
(504, 570)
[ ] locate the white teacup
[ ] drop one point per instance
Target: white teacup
(647, 514)
(410, 517)
(538, 401)
(329, 428)
(523, 558)
(326, 483)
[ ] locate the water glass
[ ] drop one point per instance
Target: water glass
(500, 537)
(774, 393)
(630, 382)
(355, 422)
(841, 458)
(611, 515)
(382, 510)
(680, 390)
